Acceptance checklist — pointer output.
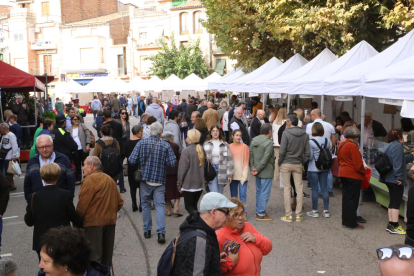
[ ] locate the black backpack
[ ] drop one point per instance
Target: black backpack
(325, 160)
(383, 164)
(110, 158)
(166, 263)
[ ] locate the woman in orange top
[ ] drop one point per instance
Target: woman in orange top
(253, 245)
(351, 174)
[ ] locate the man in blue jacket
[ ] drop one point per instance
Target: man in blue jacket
(32, 179)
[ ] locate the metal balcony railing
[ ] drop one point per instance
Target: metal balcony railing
(149, 11)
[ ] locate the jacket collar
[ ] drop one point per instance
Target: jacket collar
(233, 231)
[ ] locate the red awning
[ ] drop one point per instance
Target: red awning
(15, 80)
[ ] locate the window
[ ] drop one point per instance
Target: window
(142, 33)
(47, 64)
(86, 55)
(121, 65)
(20, 37)
(184, 23)
(102, 56)
(184, 43)
(45, 9)
(197, 24)
(16, 37)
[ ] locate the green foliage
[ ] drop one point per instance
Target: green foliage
(180, 61)
(401, 16)
(253, 31)
(49, 115)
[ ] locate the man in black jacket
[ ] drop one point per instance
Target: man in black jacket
(22, 111)
(4, 200)
(372, 128)
(201, 255)
(237, 123)
(257, 123)
(190, 109)
(50, 207)
(62, 140)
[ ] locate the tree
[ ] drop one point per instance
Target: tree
(253, 31)
(401, 16)
(180, 61)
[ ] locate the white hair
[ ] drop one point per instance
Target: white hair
(167, 136)
(4, 125)
(155, 129)
(368, 113)
(154, 100)
(44, 135)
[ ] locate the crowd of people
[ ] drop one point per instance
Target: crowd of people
(181, 150)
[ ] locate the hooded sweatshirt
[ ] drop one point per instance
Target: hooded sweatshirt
(294, 148)
(196, 255)
(262, 156)
(156, 111)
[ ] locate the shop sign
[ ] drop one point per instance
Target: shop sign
(391, 102)
(306, 96)
(344, 99)
(86, 75)
(275, 96)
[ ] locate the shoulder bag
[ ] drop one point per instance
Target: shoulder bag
(138, 172)
(93, 140)
(209, 171)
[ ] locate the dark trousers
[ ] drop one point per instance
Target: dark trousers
(350, 198)
(79, 157)
(102, 242)
(121, 177)
(94, 112)
(26, 134)
(227, 135)
(184, 131)
(191, 200)
(134, 196)
(409, 241)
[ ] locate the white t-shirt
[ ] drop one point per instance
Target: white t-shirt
(75, 135)
(329, 130)
(215, 155)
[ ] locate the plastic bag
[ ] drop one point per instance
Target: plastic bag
(16, 168)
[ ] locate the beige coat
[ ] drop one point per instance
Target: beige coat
(210, 117)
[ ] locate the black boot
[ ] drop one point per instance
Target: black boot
(161, 238)
(147, 234)
(134, 207)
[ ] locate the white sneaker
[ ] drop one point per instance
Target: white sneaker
(313, 213)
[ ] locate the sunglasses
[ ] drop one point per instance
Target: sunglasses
(123, 113)
(223, 211)
(75, 119)
(403, 253)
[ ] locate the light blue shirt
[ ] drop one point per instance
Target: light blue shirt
(68, 122)
(50, 160)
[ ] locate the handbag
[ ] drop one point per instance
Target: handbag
(209, 171)
(383, 164)
(137, 173)
(93, 140)
(4, 152)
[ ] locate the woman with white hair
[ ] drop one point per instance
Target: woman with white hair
(171, 189)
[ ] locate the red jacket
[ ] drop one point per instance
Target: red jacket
(250, 254)
(350, 161)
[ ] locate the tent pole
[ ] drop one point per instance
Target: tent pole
(288, 104)
(322, 103)
(35, 104)
(361, 142)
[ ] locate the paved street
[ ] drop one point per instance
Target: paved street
(312, 247)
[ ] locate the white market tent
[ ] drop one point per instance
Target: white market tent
(203, 85)
(282, 85)
(73, 87)
(239, 84)
(350, 82)
(289, 66)
(191, 82)
(393, 82)
(223, 82)
(172, 83)
(137, 84)
(119, 85)
(215, 84)
(153, 84)
(312, 84)
(99, 85)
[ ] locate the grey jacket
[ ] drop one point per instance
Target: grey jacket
(262, 157)
(395, 152)
(294, 148)
(173, 127)
(190, 173)
(116, 105)
(84, 135)
(156, 111)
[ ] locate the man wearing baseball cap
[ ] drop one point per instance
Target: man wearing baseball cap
(199, 254)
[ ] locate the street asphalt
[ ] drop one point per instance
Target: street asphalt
(315, 246)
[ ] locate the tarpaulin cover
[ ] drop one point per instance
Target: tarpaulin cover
(16, 80)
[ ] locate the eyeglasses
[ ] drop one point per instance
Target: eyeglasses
(75, 119)
(226, 212)
(44, 147)
(403, 253)
(242, 215)
(123, 113)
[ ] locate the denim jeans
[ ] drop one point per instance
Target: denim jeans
(136, 110)
(184, 132)
(4, 165)
(156, 193)
(330, 183)
(321, 179)
(94, 112)
(121, 181)
(263, 188)
(213, 185)
(235, 186)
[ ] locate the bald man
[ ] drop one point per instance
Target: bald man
(210, 116)
(395, 266)
(257, 123)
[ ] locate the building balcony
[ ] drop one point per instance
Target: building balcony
(22, 12)
(146, 43)
(42, 71)
(149, 11)
(43, 45)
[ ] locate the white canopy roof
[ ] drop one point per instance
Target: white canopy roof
(239, 84)
(73, 87)
(215, 84)
(101, 84)
(191, 82)
(393, 82)
(223, 82)
(119, 85)
(137, 84)
(283, 84)
(172, 83)
(153, 84)
(289, 66)
(350, 82)
(312, 84)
